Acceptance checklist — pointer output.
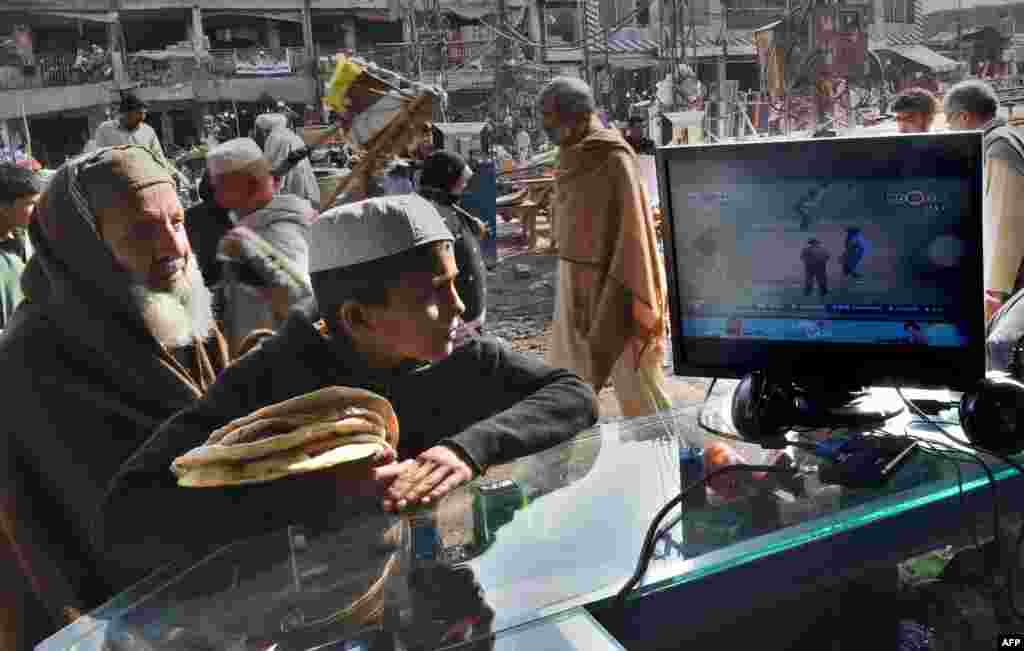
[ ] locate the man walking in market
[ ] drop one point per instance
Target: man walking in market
(973, 105)
(130, 127)
(278, 143)
(610, 310)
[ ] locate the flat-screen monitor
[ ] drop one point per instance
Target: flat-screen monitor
(857, 260)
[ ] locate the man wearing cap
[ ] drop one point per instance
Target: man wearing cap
(278, 141)
(115, 334)
(266, 253)
(130, 127)
(383, 274)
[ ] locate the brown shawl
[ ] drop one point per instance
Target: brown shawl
(606, 231)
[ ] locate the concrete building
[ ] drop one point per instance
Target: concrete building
(63, 63)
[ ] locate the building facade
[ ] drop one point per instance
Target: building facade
(65, 63)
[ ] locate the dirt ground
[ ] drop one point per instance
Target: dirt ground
(521, 305)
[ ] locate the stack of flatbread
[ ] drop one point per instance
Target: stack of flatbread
(323, 429)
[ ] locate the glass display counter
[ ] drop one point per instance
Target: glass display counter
(541, 537)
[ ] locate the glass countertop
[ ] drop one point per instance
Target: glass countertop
(533, 539)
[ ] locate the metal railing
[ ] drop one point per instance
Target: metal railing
(257, 62)
(167, 72)
(58, 70)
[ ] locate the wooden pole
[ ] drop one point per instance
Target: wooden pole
(397, 134)
(581, 4)
(28, 133)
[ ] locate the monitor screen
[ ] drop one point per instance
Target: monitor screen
(855, 256)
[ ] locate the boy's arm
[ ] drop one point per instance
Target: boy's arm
(530, 407)
(535, 407)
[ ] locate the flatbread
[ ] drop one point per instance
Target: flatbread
(268, 427)
(308, 434)
(314, 403)
(277, 466)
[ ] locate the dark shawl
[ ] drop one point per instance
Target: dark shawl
(85, 385)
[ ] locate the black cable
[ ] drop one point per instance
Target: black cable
(700, 410)
(649, 539)
(949, 453)
(1011, 569)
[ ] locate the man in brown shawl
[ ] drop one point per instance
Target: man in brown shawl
(611, 301)
(115, 335)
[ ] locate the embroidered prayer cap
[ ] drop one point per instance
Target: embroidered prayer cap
(124, 170)
(240, 155)
(372, 229)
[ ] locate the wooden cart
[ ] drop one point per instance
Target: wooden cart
(527, 204)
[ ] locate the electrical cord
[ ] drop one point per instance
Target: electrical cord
(1011, 569)
(926, 447)
(700, 410)
(650, 538)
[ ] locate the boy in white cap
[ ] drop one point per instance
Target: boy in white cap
(266, 254)
(383, 275)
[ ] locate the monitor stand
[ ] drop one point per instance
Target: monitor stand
(766, 405)
(822, 404)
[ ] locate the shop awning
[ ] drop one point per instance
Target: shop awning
(108, 17)
(457, 129)
(627, 48)
(708, 46)
(163, 55)
(626, 44)
(283, 16)
(682, 119)
(921, 55)
(475, 9)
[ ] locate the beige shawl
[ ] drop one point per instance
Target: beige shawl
(606, 231)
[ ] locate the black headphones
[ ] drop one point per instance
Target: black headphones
(763, 411)
(752, 419)
(991, 415)
(765, 408)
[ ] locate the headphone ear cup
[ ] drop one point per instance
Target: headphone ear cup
(992, 416)
(758, 410)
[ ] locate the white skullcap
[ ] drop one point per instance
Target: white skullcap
(237, 155)
(271, 121)
(372, 229)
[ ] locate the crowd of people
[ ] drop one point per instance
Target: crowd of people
(132, 329)
(973, 105)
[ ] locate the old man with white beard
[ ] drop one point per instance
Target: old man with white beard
(115, 335)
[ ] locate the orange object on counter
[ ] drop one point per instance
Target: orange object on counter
(718, 455)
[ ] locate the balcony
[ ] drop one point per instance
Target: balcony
(174, 74)
(54, 70)
(257, 62)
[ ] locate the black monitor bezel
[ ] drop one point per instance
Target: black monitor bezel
(891, 365)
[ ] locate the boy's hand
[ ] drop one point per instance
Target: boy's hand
(431, 476)
(371, 481)
(231, 247)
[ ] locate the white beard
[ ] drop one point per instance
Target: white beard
(180, 315)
